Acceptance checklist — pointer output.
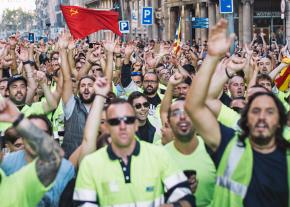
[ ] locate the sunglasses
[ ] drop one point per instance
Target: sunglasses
(117, 121)
(139, 105)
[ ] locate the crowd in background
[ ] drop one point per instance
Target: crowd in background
(189, 99)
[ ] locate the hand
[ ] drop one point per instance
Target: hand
(71, 44)
(218, 42)
(236, 64)
(8, 111)
(109, 46)
(24, 54)
(248, 51)
(40, 77)
(63, 40)
(284, 49)
(129, 50)
(7, 61)
(175, 79)
(102, 86)
(117, 49)
(193, 183)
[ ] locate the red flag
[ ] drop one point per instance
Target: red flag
(82, 22)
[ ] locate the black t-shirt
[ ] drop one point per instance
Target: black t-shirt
(269, 184)
(154, 101)
(143, 132)
(225, 99)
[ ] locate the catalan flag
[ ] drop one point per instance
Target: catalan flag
(176, 45)
(282, 81)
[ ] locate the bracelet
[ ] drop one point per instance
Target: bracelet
(97, 94)
(18, 120)
(118, 55)
(228, 75)
(26, 62)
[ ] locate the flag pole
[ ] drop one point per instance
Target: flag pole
(123, 17)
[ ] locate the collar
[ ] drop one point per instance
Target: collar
(113, 156)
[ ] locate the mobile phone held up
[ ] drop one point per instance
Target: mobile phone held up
(189, 173)
(31, 37)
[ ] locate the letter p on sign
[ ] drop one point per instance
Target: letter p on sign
(124, 27)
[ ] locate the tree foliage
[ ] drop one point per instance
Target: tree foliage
(16, 19)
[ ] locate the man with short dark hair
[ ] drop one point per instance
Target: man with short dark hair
(237, 86)
(264, 80)
(189, 153)
(130, 160)
(252, 164)
(265, 65)
(146, 131)
(76, 108)
(18, 88)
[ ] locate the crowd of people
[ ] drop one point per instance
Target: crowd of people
(139, 123)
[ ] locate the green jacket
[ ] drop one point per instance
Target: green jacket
(235, 173)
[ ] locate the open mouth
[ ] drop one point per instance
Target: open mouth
(261, 126)
(183, 126)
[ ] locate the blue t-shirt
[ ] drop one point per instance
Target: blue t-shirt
(269, 184)
(16, 160)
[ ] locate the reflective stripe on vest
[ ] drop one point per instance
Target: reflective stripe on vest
(173, 180)
(233, 186)
(85, 195)
(225, 181)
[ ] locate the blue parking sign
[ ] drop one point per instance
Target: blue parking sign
(226, 6)
(124, 26)
(147, 16)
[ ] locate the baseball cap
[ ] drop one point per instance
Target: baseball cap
(14, 78)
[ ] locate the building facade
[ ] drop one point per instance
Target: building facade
(249, 16)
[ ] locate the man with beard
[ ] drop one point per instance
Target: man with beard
(76, 108)
(17, 89)
(150, 87)
(114, 175)
(189, 152)
(265, 65)
(150, 82)
(253, 166)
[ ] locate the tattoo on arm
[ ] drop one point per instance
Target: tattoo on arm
(48, 151)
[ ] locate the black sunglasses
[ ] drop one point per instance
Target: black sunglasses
(139, 105)
(117, 121)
